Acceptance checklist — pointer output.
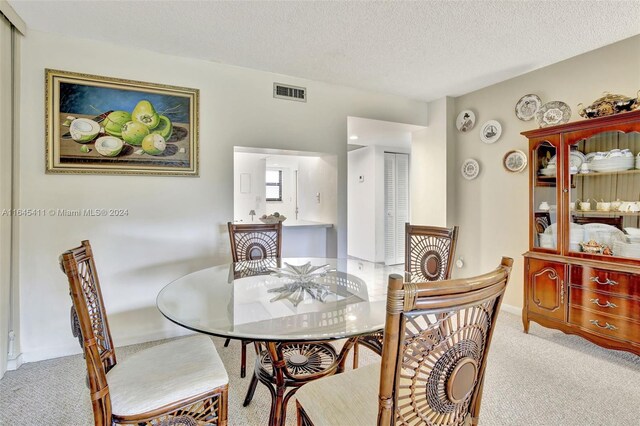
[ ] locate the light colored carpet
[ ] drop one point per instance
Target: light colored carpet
(544, 378)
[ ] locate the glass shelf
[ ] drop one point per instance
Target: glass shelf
(603, 213)
(621, 172)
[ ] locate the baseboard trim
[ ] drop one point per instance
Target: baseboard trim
(74, 349)
(511, 309)
(14, 363)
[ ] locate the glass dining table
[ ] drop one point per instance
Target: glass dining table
(291, 307)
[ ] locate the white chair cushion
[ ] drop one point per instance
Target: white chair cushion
(165, 374)
(350, 398)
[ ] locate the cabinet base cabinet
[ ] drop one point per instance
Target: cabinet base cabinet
(599, 301)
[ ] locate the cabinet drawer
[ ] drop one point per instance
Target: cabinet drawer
(605, 325)
(604, 280)
(606, 303)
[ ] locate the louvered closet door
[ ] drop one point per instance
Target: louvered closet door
(396, 202)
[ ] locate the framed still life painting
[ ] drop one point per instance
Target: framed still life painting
(107, 125)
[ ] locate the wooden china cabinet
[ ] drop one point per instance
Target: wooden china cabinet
(582, 270)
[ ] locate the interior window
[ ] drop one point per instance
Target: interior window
(273, 181)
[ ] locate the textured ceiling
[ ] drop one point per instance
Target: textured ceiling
(421, 50)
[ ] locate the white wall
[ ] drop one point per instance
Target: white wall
(253, 165)
(492, 210)
(366, 201)
(317, 175)
(175, 224)
(6, 151)
(361, 204)
(432, 151)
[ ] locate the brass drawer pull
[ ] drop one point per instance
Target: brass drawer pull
(606, 325)
(606, 305)
(607, 282)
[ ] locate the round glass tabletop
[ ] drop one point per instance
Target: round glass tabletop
(289, 299)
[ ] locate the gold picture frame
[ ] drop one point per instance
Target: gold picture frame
(104, 125)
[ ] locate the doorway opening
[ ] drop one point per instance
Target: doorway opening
(298, 188)
(378, 188)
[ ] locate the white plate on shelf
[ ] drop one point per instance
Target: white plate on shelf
(577, 158)
(548, 172)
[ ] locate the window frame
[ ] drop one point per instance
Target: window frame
(278, 184)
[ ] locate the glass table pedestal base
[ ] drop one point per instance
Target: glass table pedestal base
(296, 363)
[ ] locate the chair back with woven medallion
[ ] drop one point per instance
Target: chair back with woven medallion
(255, 241)
(89, 323)
(436, 341)
(429, 252)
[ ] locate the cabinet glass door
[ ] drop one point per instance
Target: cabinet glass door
(604, 202)
(545, 169)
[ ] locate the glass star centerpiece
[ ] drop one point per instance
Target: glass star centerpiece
(303, 282)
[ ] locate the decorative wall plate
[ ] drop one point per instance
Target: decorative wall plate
(553, 113)
(466, 120)
(470, 169)
(490, 131)
(527, 106)
(515, 161)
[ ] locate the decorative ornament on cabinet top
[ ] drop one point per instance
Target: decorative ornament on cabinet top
(610, 104)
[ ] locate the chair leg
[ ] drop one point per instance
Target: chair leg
(226, 342)
(223, 407)
(303, 419)
(251, 390)
(356, 353)
(243, 365)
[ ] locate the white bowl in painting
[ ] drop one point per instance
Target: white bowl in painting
(84, 130)
(109, 146)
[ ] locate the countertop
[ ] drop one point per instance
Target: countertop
(305, 224)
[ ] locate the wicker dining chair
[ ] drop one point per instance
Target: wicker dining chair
(182, 382)
(253, 242)
(436, 344)
(429, 253)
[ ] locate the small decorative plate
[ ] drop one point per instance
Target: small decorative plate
(553, 113)
(515, 161)
(576, 158)
(466, 120)
(490, 131)
(470, 169)
(527, 106)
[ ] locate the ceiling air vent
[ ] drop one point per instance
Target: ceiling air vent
(292, 93)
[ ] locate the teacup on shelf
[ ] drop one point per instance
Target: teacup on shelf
(585, 205)
(603, 206)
